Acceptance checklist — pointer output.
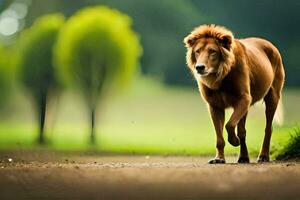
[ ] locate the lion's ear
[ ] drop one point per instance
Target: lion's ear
(226, 41)
(189, 41)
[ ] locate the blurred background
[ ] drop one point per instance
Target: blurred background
(161, 112)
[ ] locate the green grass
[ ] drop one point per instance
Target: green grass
(292, 149)
(149, 118)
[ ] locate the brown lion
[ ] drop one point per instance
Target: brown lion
(235, 73)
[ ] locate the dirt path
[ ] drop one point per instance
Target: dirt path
(49, 175)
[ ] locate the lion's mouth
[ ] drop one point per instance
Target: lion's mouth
(204, 74)
(207, 74)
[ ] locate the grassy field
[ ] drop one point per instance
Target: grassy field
(149, 118)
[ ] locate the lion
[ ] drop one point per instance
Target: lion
(235, 73)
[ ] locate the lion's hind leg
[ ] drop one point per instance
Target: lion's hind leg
(271, 101)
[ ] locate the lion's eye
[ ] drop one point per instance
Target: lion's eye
(197, 51)
(212, 51)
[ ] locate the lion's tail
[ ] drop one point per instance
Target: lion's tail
(279, 114)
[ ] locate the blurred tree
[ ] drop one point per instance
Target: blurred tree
(97, 48)
(35, 53)
(7, 73)
(162, 25)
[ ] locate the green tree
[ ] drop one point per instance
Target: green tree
(7, 73)
(162, 25)
(35, 62)
(97, 48)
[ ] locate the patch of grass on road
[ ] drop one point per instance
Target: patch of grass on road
(292, 149)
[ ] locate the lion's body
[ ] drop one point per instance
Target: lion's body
(258, 63)
(238, 74)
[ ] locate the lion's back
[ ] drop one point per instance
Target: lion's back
(262, 47)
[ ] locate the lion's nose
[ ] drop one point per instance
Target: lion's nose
(200, 68)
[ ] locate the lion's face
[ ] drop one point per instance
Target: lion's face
(207, 56)
(210, 54)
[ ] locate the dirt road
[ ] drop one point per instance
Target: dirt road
(49, 175)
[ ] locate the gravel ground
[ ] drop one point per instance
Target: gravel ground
(52, 175)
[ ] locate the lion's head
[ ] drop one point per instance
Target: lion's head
(210, 54)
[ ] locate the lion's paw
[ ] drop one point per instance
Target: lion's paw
(263, 159)
(217, 161)
(243, 160)
(234, 140)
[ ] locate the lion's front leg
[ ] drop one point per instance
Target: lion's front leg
(218, 117)
(239, 110)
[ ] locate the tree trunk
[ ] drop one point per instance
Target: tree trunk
(93, 132)
(42, 114)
